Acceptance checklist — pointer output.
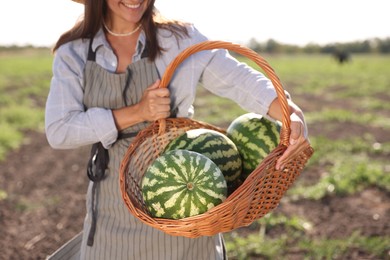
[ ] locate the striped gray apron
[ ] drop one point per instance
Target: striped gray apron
(118, 234)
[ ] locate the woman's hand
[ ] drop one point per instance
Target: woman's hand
(298, 139)
(154, 104)
(298, 136)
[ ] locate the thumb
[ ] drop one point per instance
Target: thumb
(155, 85)
(295, 132)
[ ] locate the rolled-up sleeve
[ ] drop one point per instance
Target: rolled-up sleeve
(226, 77)
(68, 123)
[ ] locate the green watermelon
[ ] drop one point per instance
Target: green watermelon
(217, 147)
(255, 137)
(181, 183)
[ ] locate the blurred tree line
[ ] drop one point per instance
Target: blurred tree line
(376, 45)
(14, 47)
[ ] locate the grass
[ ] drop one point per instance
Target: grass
(332, 115)
(24, 83)
(349, 166)
(257, 245)
(315, 74)
(3, 195)
(337, 248)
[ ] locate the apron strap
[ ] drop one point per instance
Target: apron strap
(91, 54)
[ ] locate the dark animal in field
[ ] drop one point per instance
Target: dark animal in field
(342, 56)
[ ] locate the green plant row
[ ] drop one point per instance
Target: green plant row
(297, 240)
(24, 83)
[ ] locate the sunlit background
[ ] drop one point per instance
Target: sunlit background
(300, 22)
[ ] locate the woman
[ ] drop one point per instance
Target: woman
(104, 90)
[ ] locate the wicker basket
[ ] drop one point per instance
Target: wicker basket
(257, 196)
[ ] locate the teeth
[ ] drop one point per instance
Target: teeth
(132, 6)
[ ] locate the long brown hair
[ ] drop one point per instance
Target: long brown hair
(94, 13)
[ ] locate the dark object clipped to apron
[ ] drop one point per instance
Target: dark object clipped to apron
(96, 169)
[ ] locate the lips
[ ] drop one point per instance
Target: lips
(132, 6)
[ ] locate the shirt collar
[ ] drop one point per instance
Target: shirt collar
(100, 40)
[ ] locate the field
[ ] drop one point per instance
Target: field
(339, 208)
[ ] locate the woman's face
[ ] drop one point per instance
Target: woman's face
(126, 11)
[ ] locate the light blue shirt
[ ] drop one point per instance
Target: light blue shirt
(68, 125)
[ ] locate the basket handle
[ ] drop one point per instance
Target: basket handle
(261, 62)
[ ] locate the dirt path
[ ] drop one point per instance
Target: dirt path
(46, 198)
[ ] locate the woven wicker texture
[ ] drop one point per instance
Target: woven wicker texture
(258, 195)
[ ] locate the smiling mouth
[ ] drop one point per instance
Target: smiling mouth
(132, 6)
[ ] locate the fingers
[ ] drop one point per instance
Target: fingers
(297, 142)
(155, 103)
(291, 153)
(158, 107)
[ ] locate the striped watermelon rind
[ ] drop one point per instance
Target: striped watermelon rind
(255, 137)
(181, 183)
(214, 145)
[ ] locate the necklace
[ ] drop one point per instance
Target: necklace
(121, 34)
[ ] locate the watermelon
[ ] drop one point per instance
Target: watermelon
(255, 137)
(217, 147)
(181, 183)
